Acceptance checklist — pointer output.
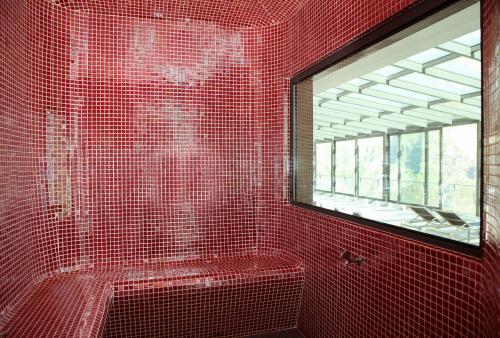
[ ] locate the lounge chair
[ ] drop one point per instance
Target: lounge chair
(424, 217)
(452, 218)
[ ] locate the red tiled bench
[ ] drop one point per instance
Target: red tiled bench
(67, 305)
(222, 297)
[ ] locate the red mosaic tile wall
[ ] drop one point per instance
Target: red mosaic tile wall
(491, 101)
(21, 219)
(14, 109)
(130, 138)
(150, 137)
(149, 130)
(166, 139)
(403, 288)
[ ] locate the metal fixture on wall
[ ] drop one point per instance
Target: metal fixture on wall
(349, 258)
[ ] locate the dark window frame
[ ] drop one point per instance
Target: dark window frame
(400, 21)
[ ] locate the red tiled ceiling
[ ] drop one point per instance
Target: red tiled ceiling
(236, 13)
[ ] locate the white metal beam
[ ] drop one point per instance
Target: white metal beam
(329, 120)
(390, 124)
(409, 120)
(347, 128)
(425, 90)
(457, 112)
(351, 108)
(430, 115)
(371, 126)
(339, 131)
(322, 113)
(457, 48)
(403, 99)
(328, 134)
(358, 100)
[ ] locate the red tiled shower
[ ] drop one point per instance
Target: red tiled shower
(144, 180)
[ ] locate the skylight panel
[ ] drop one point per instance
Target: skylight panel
(358, 82)
(471, 39)
(463, 66)
(428, 55)
(438, 84)
(388, 71)
(334, 91)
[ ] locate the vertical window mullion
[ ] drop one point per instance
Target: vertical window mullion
(314, 166)
(399, 168)
(478, 170)
(356, 168)
(386, 186)
(441, 148)
(426, 168)
(333, 159)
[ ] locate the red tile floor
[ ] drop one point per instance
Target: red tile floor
(293, 333)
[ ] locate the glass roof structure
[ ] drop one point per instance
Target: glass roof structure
(436, 87)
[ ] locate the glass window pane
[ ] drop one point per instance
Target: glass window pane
(323, 177)
(400, 153)
(433, 194)
(460, 168)
(371, 157)
(393, 167)
(344, 167)
(412, 168)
